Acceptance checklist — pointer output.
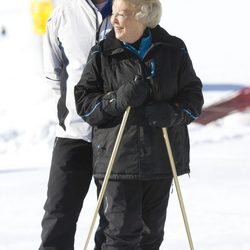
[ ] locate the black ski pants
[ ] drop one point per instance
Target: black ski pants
(133, 214)
(69, 180)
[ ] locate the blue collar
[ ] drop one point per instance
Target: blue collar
(145, 44)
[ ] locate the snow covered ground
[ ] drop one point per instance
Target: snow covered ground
(216, 195)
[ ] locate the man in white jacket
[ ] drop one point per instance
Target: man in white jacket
(73, 28)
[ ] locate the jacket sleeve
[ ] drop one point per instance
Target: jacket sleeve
(89, 92)
(52, 56)
(189, 98)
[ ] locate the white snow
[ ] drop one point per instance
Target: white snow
(216, 195)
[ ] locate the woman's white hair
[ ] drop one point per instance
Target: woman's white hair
(148, 12)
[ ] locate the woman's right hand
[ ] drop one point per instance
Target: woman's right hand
(133, 93)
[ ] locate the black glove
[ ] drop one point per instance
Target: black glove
(163, 114)
(131, 94)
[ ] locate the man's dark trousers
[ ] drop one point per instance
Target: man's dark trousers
(69, 181)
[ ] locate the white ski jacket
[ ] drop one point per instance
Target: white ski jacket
(71, 32)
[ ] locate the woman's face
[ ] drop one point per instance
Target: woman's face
(127, 28)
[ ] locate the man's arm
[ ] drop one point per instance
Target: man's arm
(53, 62)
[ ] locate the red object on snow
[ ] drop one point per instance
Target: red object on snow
(218, 110)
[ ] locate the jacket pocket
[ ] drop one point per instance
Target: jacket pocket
(102, 144)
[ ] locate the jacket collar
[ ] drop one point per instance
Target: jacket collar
(111, 45)
(89, 2)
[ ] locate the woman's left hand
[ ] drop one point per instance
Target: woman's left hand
(160, 114)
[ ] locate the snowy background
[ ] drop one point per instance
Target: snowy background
(216, 195)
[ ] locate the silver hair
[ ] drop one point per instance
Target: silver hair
(148, 12)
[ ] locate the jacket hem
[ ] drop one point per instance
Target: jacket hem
(138, 177)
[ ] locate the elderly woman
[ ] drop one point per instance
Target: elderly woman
(138, 65)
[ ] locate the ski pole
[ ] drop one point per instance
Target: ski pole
(178, 189)
(108, 172)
